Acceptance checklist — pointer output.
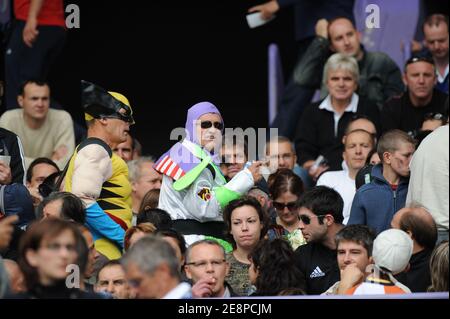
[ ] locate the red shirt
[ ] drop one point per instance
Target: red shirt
(52, 12)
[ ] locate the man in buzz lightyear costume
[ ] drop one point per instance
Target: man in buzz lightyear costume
(194, 190)
(97, 175)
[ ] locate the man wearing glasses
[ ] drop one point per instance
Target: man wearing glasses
(320, 220)
(407, 112)
(207, 268)
(97, 175)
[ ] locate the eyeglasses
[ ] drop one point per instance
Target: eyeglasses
(434, 116)
(204, 263)
(291, 206)
(208, 124)
(419, 59)
(307, 220)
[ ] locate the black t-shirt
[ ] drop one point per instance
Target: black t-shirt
(318, 265)
(399, 113)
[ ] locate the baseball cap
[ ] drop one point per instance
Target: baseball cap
(392, 250)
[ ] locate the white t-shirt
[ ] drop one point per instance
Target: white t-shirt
(344, 185)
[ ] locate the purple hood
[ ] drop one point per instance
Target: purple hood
(178, 153)
(194, 114)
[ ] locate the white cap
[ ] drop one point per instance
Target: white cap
(392, 250)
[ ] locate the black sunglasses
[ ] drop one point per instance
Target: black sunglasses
(291, 206)
(208, 124)
(307, 220)
(119, 116)
(419, 59)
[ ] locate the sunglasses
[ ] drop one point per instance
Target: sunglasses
(119, 116)
(208, 124)
(291, 206)
(307, 220)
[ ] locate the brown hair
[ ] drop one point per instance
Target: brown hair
(237, 203)
(389, 142)
(435, 20)
(33, 238)
(146, 228)
(150, 200)
(424, 230)
(285, 180)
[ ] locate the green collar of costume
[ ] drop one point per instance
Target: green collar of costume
(192, 175)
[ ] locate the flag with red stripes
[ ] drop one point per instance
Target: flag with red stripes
(169, 167)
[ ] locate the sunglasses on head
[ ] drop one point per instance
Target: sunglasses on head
(208, 124)
(419, 59)
(291, 206)
(307, 220)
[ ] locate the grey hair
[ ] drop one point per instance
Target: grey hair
(255, 192)
(134, 167)
(149, 253)
(203, 242)
(340, 61)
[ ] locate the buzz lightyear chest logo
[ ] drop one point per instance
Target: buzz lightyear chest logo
(205, 194)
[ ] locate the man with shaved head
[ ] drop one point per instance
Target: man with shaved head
(420, 225)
